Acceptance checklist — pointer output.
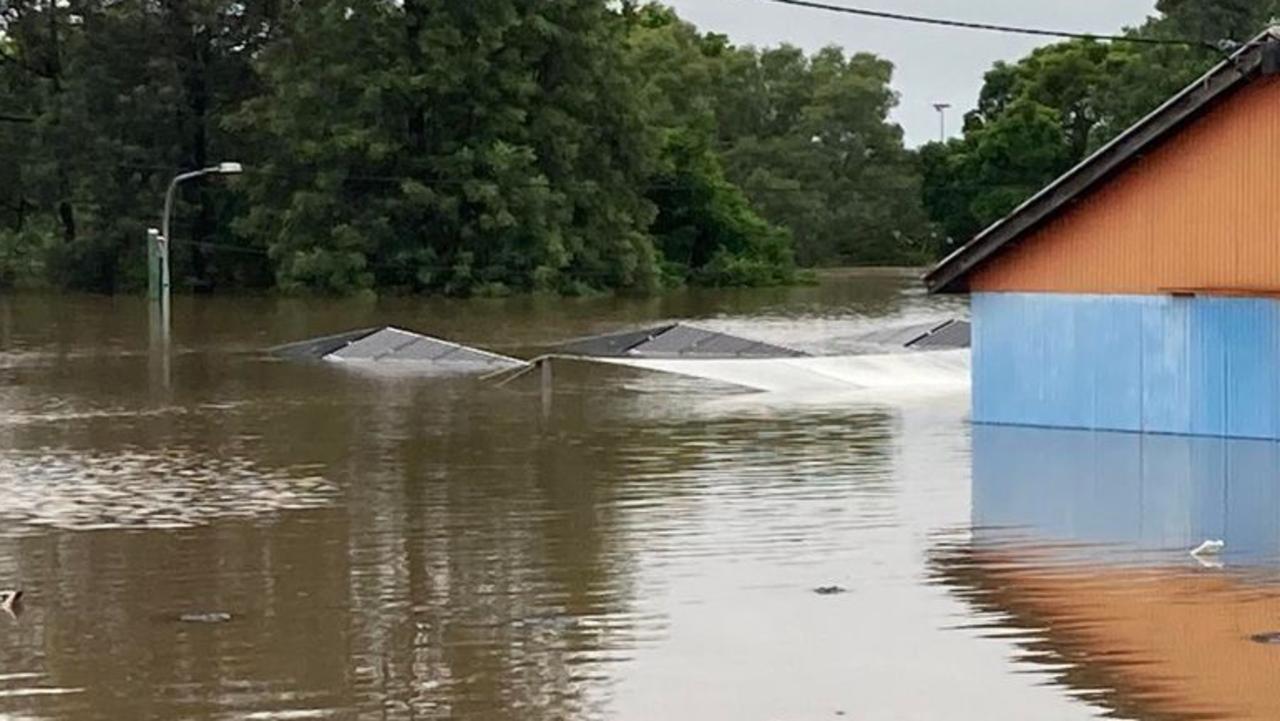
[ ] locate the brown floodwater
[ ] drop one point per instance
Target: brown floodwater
(238, 537)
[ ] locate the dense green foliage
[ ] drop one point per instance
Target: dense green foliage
(1043, 114)
(506, 146)
(437, 146)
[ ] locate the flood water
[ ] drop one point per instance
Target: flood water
(237, 537)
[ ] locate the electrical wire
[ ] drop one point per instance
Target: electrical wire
(993, 27)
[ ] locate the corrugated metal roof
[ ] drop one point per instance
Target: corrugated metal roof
(613, 344)
(934, 335)
(952, 334)
(675, 340)
(317, 348)
(1260, 56)
(395, 345)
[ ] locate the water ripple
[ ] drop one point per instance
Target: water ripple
(138, 489)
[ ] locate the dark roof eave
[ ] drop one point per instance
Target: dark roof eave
(951, 274)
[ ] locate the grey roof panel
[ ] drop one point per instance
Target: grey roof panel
(900, 336)
(612, 344)
(676, 341)
(317, 348)
(718, 344)
(949, 335)
(679, 340)
(376, 346)
(394, 345)
(424, 349)
(937, 335)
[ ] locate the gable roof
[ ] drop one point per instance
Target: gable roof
(675, 340)
(1258, 57)
(935, 335)
(390, 344)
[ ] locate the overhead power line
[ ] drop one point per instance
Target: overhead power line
(992, 27)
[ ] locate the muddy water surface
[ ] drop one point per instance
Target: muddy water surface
(255, 539)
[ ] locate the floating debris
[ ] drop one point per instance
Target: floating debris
(830, 590)
(11, 602)
(215, 617)
(1209, 548)
(1269, 639)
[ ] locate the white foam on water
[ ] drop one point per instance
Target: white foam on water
(38, 691)
(288, 715)
(910, 373)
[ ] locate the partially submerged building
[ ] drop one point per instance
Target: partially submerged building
(675, 340)
(395, 346)
(1141, 290)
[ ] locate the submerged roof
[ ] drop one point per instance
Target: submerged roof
(951, 334)
(675, 340)
(388, 344)
(1259, 57)
(936, 335)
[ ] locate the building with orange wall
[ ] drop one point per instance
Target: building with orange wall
(1141, 290)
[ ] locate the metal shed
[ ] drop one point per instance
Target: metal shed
(1141, 290)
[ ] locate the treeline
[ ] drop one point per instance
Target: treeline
(1040, 116)
(437, 146)
(568, 146)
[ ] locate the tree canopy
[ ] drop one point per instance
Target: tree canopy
(439, 147)
(567, 146)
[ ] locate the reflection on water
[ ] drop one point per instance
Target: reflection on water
(1079, 550)
(1130, 493)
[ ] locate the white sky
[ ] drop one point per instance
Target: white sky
(933, 64)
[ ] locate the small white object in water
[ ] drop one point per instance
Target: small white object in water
(10, 602)
(1209, 548)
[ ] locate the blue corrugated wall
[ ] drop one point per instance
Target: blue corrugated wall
(1157, 364)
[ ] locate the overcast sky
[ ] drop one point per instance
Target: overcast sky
(933, 64)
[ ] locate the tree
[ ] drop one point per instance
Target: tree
(451, 147)
(436, 146)
(120, 97)
(809, 140)
(706, 229)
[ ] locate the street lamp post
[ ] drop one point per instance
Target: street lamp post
(942, 120)
(158, 275)
(162, 242)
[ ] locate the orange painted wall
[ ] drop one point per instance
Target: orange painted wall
(1200, 211)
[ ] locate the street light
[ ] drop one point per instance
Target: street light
(162, 243)
(942, 120)
(158, 272)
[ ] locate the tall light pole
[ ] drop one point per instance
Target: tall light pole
(942, 120)
(160, 285)
(158, 274)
